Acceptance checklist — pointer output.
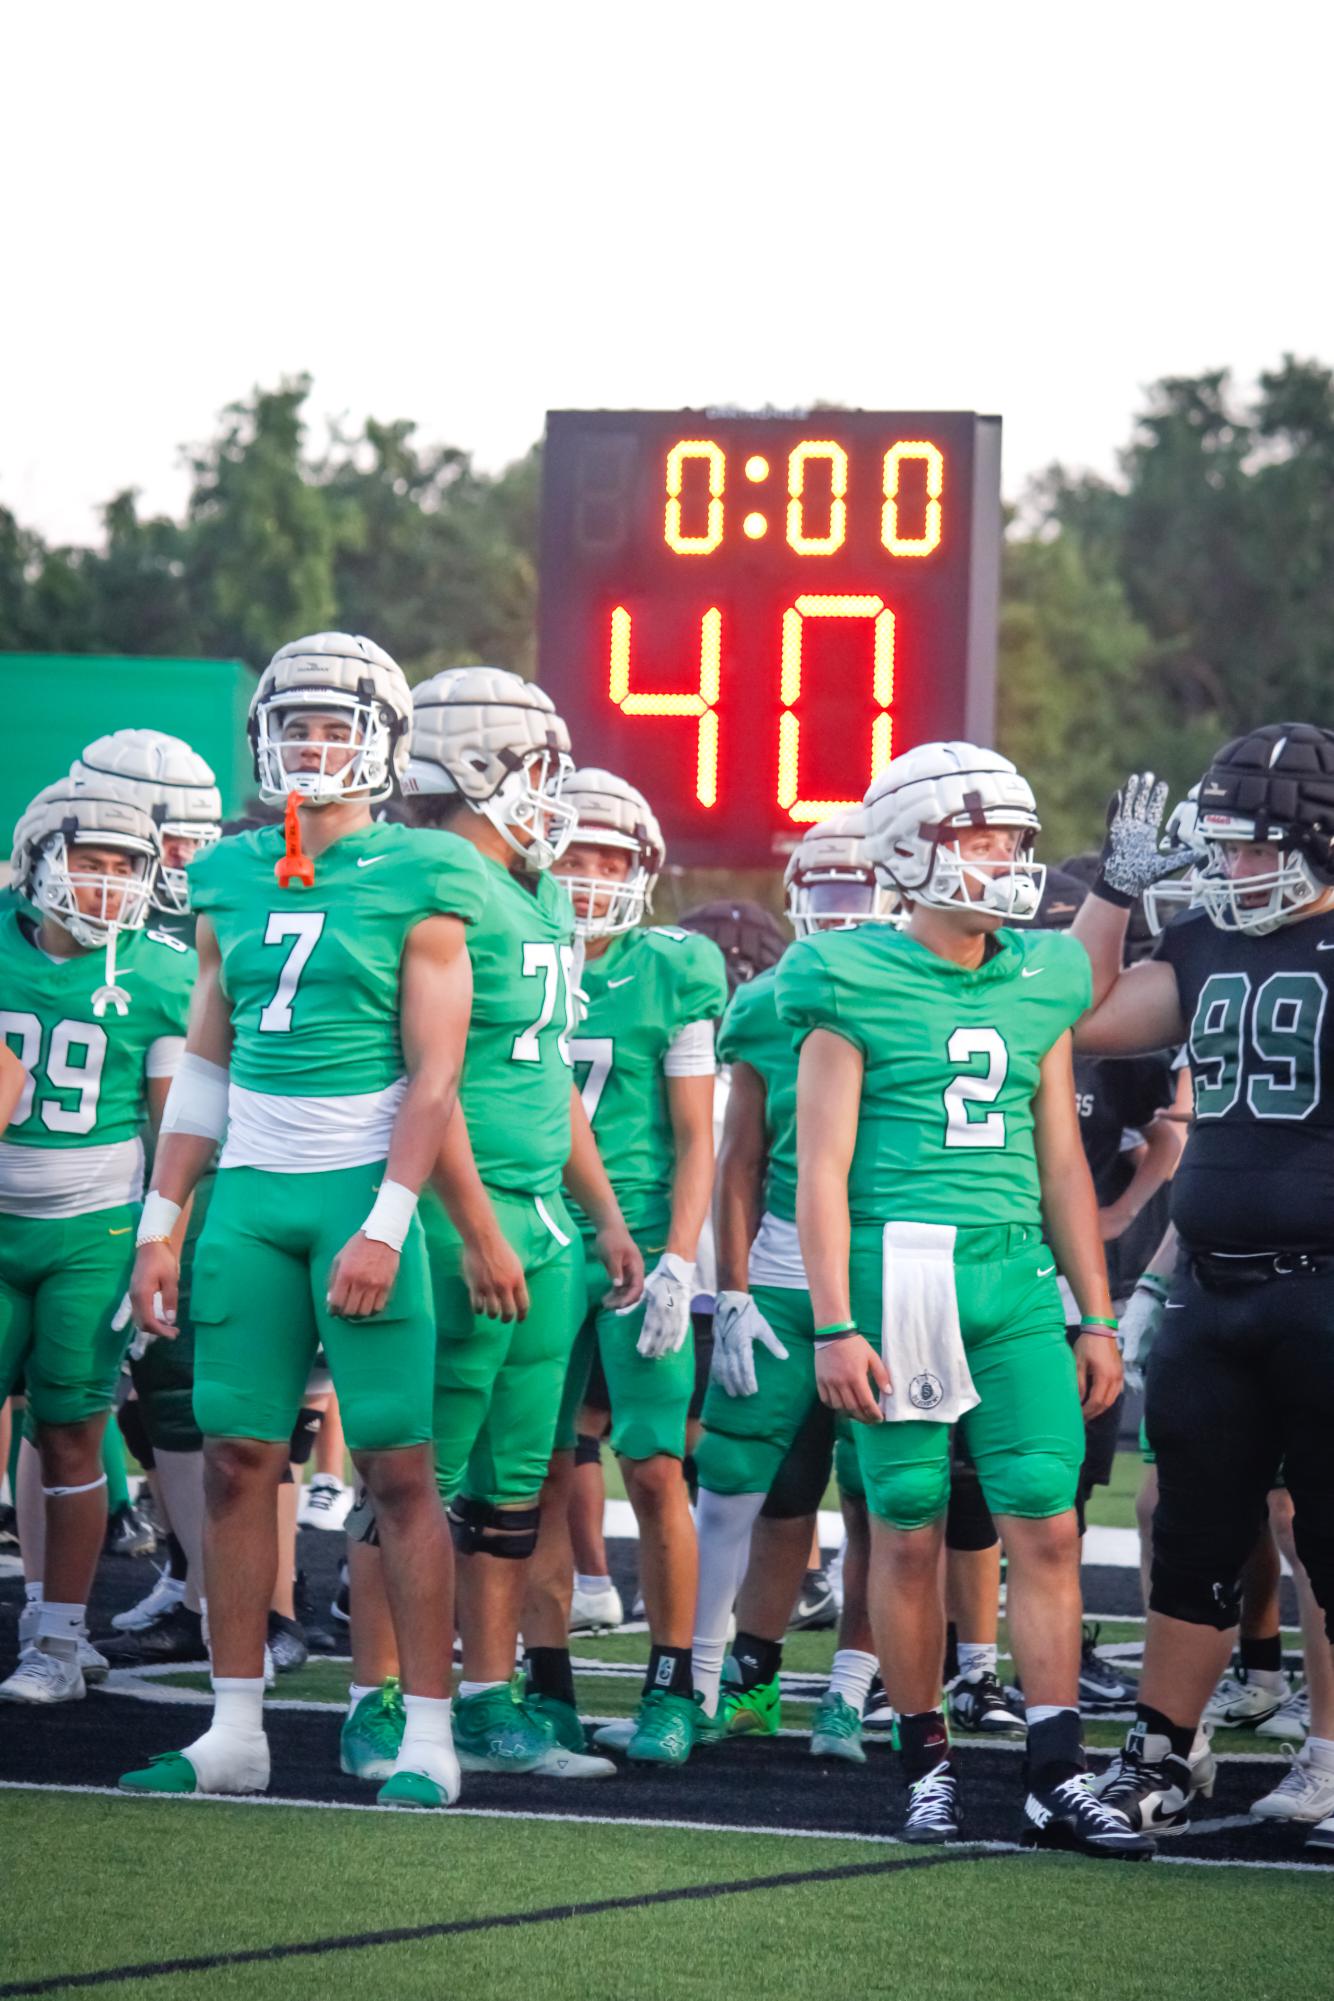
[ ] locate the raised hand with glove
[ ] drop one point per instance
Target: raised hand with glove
(1133, 856)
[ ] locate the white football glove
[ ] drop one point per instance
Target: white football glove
(120, 1320)
(1132, 856)
(1140, 1322)
(737, 1325)
(668, 1290)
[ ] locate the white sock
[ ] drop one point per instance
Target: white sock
(1273, 1679)
(59, 1626)
(357, 1692)
(1042, 1712)
(33, 1592)
(851, 1676)
(977, 1656)
(1321, 1752)
(724, 1523)
(238, 1702)
(591, 1584)
(428, 1743)
(232, 1756)
(467, 1688)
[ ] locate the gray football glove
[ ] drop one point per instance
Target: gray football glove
(737, 1325)
(1139, 1326)
(1132, 852)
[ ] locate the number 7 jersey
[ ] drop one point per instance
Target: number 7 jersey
(952, 1057)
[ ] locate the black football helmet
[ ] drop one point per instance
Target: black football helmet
(1274, 785)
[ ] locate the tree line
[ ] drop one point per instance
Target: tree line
(1144, 617)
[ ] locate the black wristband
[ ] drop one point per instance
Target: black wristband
(1102, 888)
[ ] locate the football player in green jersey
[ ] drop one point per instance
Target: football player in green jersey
(762, 1395)
(645, 1065)
(95, 1010)
(327, 1037)
(936, 1127)
(490, 758)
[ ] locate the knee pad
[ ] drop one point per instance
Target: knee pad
(304, 1433)
(1034, 1486)
(728, 1465)
(587, 1450)
(1197, 1599)
(908, 1497)
(361, 1524)
(133, 1429)
(968, 1525)
(479, 1528)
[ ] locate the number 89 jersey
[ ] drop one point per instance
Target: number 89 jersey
(952, 1056)
(1258, 1170)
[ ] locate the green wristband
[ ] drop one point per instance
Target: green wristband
(1101, 1320)
(837, 1330)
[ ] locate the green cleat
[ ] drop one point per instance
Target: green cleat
(615, 1736)
(372, 1732)
(565, 1721)
(665, 1729)
(412, 1789)
(837, 1730)
(759, 1708)
(169, 1772)
(709, 1729)
(495, 1732)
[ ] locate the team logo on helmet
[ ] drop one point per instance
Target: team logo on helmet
(921, 802)
(495, 741)
(1273, 788)
(831, 882)
(329, 721)
(175, 786)
(615, 817)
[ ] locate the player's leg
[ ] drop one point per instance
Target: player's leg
(1305, 1794)
(164, 1398)
(977, 1702)
(595, 1602)
(549, 1589)
(1255, 1686)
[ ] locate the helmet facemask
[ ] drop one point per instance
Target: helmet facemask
(358, 767)
(1259, 903)
(527, 809)
(604, 906)
(121, 902)
(928, 868)
(171, 891)
(837, 899)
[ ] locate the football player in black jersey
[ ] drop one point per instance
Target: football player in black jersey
(1241, 1378)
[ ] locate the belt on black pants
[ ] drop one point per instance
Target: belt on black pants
(1220, 1272)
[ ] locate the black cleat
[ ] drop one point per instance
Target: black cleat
(287, 1644)
(816, 1609)
(1068, 1815)
(933, 1806)
(177, 1636)
(128, 1534)
(877, 1710)
(1149, 1786)
(979, 1704)
(1102, 1685)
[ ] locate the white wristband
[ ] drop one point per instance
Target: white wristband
(391, 1218)
(158, 1219)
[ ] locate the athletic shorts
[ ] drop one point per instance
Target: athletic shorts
(499, 1384)
(260, 1310)
(61, 1286)
(1026, 1436)
(649, 1401)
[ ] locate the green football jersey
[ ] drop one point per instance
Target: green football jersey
(312, 975)
(952, 1057)
(86, 1070)
(752, 1033)
(641, 992)
(516, 1082)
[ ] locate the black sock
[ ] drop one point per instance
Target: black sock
(1262, 1656)
(1151, 1722)
(176, 1564)
(690, 1473)
(550, 1673)
(669, 1668)
(1055, 1748)
(759, 1660)
(951, 1651)
(923, 1743)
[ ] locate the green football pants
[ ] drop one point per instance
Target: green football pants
(746, 1439)
(650, 1401)
(61, 1286)
(260, 1310)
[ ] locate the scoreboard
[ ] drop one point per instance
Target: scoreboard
(748, 615)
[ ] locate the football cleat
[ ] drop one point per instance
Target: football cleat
(167, 1592)
(1151, 1787)
(229, 1764)
(422, 1789)
(664, 1732)
(816, 1610)
(9, 1526)
(566, 1724)
(933, 1806)
(178, 1635)
(878, 1712)
(494, 1732)
(1245, 1699)
(1320, 1841)
(325, 1502)
(1101, 1684)
(43, 1677)
(1304, 1793)
(759, 1708)
(369, 1740)
(1071, 1815)
(1292, 1722)
(978, 1704)
(287, 1644)
(837, 1730)
(128, 1534)
(596, 1611)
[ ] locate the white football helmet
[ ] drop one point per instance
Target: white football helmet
(176, 787)
(612, 814)
(495, 741)
(341, 673)
(99, 812)
(923, 799)
(1163, 899)
(831, 881)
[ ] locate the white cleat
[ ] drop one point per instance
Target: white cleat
(326, 1502)
(1243, 1699)
(596, 1611)
(43, 1677)
(167, 1593)
(1305, 1793)
(1292, 1723)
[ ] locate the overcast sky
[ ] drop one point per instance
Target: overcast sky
(470, 214)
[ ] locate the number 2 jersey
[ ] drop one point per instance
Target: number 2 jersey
(952, 1056)
(74, 1144)
(1258, 1170)
(312, 979)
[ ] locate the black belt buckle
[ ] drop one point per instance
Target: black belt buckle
(1219, 1273)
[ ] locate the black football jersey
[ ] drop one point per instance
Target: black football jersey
(1258, 1170)
(1116, 1094)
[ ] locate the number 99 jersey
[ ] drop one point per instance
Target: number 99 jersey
(952, 1056)
(1258, 1170)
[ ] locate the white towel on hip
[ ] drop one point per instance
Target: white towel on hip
(920, 1336)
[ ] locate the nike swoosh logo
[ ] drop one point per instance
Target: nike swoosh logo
(620, 983)
(1031, 972)
(1175, 1306)
(1325, 945)
(120, 1233)
(1046, 1271)
(369, 861)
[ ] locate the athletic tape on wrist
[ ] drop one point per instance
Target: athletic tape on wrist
(197, 1100)
(391, 1217)
(158, 1220)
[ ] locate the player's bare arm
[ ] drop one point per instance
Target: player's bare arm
(1141, 1012)
(435, 1006)
(829, 1087)
(492, 1269)
(1164, 1143)
(13, 1078)
(690, 1108)
(191, 1120)
(1070, 1214)
(739, 1193)
(586, 1179)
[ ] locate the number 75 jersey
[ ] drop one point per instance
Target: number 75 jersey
(952, 1056)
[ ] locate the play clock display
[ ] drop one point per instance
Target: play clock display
(747, 616)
